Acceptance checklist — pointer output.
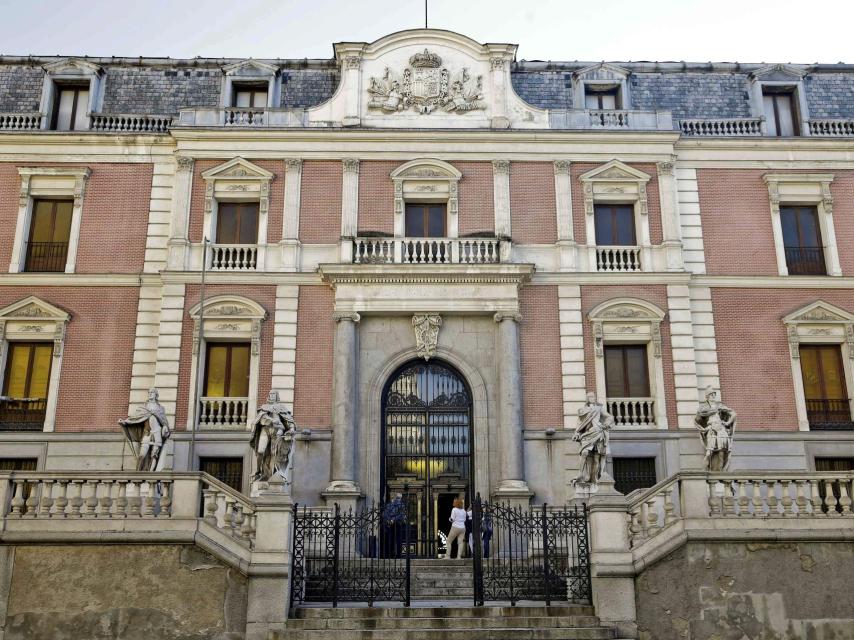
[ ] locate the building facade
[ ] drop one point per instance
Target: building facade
(432, 251)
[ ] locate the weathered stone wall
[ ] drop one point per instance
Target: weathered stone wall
(20, 87)
(732, 591)
(127, 592)
(692, 95)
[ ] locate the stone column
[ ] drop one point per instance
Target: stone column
(501, 196)
(343, 487)
(511, 470)
(178, 239)
(563, 205)
(670, 227)
(290, 220)
(349, 207)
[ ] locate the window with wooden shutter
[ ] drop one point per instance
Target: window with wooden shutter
(825, 391)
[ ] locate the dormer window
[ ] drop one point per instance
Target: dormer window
(70, 109)
(251, 96)
(72, 90)
(777, 96)
(601, 97)
(779, 105)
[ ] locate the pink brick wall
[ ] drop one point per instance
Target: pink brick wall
(320, 202)
(376, 196)
(542, 388)
(653, 201)
(591, 296)
(277, 197)
(475, 196)
(265, 295)
(753, 351)
(315, 341)
(533, 214)
(94, 384)
(117, 197)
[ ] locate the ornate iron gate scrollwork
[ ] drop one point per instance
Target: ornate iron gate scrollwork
(350, 556)
(539, 553)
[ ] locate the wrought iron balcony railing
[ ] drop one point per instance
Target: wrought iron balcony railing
(22, 414)
(829, 415)
(805, 261)
(46, 257)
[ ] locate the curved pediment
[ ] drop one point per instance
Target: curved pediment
(427, 169)
(227, 306)
(626, 309)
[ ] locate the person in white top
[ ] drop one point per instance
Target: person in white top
(458, 529)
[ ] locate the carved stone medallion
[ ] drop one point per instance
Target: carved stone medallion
(426, 333)
(425, 86)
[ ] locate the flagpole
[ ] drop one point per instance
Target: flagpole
(425, 14)
(197, 392)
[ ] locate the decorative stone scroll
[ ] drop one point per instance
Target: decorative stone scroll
(426, 86)
(426, 333)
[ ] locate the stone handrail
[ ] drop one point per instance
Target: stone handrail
(426, 250)
(721, 127)
(832, 128)
(228, 510)
(223, 413)
(609, 119)
(618, 258)
(653, 509)
(632, 412)
(20, 121)
(234, 257)
(129, 123)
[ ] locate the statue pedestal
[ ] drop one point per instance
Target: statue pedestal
(513, 492)
(345, 493)
(583, 491)
(275, 486)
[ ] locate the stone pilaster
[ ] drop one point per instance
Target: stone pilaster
(511, 484)
(343, 487)
(180, 214)
(668, 197)
(501, 196)
(290, 220)
(684, 357)
(285, 341)
(349, 206)
(563, 206)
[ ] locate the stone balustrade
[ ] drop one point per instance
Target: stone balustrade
(622, 258)
(831, 128)
(721, 127)
(243, 117)
(653, 509)
(426, 250)
(20, 121)
(234, 257)
(129, 123)
(632, 412)
(228, 511)
(609, 119)
(223, 413)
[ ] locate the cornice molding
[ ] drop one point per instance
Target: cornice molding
(426, 274)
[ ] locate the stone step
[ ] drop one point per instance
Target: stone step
(444, 610)
(442, 623)
(453, 633)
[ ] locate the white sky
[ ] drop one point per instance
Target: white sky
(692, 30)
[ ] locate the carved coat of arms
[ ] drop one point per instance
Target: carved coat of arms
(425, 86)
(426, 334)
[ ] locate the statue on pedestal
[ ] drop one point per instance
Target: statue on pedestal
(147, 432)
(273, 432)
(716, 423)
(592, 432)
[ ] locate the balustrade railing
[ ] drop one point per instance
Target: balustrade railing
(795, 495)
(632, 412)
(234, 257)
(829, 414)
(129, 123)
(45, 257)
(653, 509)
(243, 117)
(721, 127)
(622, 258)
(223, 413)
(426, 250)
(20, 121)
(831, 128)
(609, 119)
(22, 414)
(228, 510)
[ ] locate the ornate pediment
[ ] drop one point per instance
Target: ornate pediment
(426, 169)
(33, 308)
(819, 312)
(604, 71)
(229, 306)
(615, 171)
(237, 169)
(72, 66)
(250, 67)
(425, 86)
(778, 72)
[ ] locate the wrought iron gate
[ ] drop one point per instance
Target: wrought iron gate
(539, 553)
(351, 556)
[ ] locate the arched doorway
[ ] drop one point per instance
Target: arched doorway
(427, 447)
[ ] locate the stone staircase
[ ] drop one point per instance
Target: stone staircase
(442, 580)
(447, 622)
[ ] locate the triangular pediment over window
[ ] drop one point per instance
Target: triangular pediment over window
(603, 71)
(251, 68)
(72, 65)
(778, 72)
(33, 308)
(615, 171)
(238, 168)
(819, 311)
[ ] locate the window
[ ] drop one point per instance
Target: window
(237, 223)
(226, 470)
(227, 370)
(633, 473)
(825, 392)
(50, 228)
(802, 241)
(18, 464)
(71, 106)
(626, 371)
(426, 220)
(780, 111)
(250, 96)
(601, 98)
(834, 464)
(615, 224)
(25, 385)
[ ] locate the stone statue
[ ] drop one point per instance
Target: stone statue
(273, 432)
(716, 423)
(592, 432)
(147, 432)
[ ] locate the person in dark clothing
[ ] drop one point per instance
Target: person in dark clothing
(394, 519)
(486, 533)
